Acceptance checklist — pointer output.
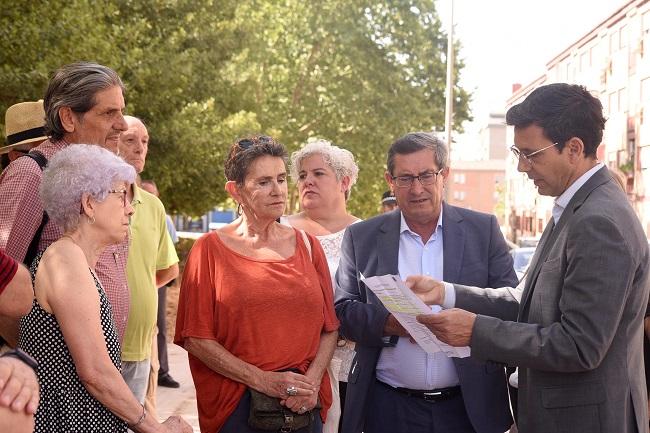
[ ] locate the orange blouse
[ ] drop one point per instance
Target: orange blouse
(269, 313)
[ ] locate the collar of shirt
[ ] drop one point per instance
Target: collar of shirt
(563, 200)
(49, 147)
(404, 227)
(137, 195)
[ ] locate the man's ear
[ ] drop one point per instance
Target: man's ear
(576, 147)
(389, 180)
(68, 119)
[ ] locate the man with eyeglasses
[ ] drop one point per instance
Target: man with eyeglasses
(152, 263)
(395, 386)
(576, 332)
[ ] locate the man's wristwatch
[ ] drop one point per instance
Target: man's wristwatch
(23, 356)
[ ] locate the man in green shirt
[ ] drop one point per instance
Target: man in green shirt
(152, 263)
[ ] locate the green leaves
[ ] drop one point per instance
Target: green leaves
(202, 73)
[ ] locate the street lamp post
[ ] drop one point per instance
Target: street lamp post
(449, 107)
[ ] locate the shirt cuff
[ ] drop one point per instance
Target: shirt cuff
(450, 296)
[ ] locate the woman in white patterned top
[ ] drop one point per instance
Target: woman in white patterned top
(325, 175)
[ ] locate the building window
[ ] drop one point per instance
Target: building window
(613, 102)
(644, 93)
(622, 37)
(613, 42)
(622, 100)
(459, 178)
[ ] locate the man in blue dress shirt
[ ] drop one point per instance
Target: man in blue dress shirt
(394, 385)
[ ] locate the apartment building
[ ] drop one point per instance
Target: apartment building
(613, 62)
(480, 184)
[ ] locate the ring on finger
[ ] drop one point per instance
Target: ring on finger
(292, 390)
(302, 409)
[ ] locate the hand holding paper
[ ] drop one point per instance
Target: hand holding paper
(430, 291)
(453, 326)
(405, 307)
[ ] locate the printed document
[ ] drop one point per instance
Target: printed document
(405, 306)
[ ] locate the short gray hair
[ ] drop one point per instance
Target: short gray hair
(75, 170)
(414, 142)
(75, 86)
(341, 161)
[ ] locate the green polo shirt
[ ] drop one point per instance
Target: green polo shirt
(150, 250)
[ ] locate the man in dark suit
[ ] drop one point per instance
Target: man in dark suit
(394, 386)
(578, 334)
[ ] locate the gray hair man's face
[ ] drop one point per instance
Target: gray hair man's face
(103, 123)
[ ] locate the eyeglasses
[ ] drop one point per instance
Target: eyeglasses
(426, 178)
(119, 191)
(528, 158)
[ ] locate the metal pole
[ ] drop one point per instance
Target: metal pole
(449, 109)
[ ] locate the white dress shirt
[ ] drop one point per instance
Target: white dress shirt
(407, 365)
(561, 203)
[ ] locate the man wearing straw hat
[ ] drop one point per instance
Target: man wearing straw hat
(24, 129)
(83, 103)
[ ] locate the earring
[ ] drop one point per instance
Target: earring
(240, 210)
(91, 220)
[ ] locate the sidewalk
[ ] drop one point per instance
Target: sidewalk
(180, 401)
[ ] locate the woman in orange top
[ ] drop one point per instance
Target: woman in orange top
(256, 300)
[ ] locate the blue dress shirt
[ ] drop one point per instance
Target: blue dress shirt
(407, 365)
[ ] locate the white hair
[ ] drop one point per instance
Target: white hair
(341, 161)
(75, 170)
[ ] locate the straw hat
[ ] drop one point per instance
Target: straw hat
(24, 124)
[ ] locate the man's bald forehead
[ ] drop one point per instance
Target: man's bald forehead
(133, 121)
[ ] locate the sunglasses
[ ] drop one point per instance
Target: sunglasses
(247, 143)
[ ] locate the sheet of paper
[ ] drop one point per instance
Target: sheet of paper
(405, 306)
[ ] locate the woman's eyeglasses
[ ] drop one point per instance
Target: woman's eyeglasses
(120, 191)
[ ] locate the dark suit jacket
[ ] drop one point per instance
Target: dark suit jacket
(579, 340)
(475, 253)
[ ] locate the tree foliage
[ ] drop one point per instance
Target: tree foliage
(201, 73)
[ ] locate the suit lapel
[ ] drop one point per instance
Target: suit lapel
(536, 261)
(453, 237)
(388, 245)
(549, 237)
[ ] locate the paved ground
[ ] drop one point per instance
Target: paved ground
(180, 401)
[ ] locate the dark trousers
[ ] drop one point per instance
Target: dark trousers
(162, 331)
(343, 388)
(237, 422)
(390, 411)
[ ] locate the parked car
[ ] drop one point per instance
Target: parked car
(526, 241)
(522, 257)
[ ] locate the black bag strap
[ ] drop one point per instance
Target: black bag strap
(32, 250)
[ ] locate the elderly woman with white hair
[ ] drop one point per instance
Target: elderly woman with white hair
(325, 174)
(70, 330)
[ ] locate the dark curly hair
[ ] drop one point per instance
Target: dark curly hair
(246, 150)
(562, 111)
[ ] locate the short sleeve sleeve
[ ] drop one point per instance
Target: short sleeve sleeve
(8, 268)
(167, 256)
(196, 304)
